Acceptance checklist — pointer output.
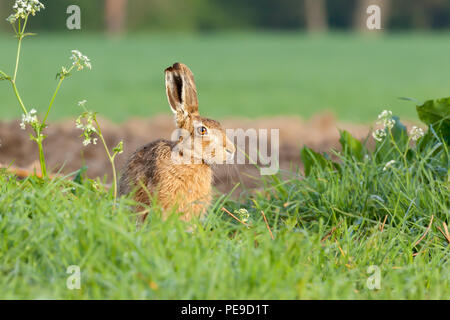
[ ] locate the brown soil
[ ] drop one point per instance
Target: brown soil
(65, 152)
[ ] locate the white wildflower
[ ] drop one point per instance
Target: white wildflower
(416, 133)
(385, 114)
(379, 134)
(385, 118)
(85, 122)
(86, 141)
(82, 103)
(388, 165)
(80, 61)
(88, 124)
(11, 19)
(23, 8)
(79, 125)
(29, 118)
(389, 123)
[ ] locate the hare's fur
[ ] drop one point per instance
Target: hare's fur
(187, 186)
(151, 170)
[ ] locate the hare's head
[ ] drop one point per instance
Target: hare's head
(200, 138)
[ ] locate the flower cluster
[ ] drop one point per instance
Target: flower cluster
(379, 134)
(388, 165)
(29, 118)
(416, 133)
(23, 8)
(385, 119)
(80, 61)
(86, 122)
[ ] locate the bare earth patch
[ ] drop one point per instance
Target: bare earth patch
(65, 152)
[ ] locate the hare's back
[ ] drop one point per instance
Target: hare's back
(142, 165)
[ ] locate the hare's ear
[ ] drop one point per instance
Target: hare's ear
(181, 90)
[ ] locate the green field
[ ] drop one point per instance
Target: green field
(242, 74)
(331, 231)
(328, 229)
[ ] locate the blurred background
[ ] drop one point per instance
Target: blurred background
(251, 58)
(306, 67)
(218, 15)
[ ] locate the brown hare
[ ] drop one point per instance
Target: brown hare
(179, 172)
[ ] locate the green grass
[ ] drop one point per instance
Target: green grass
(327, 231)
(242, 74)
(326, 226)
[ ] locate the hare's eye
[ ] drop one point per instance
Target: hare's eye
(202, 130)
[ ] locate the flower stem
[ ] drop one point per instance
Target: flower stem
(111, 160)
(13, 83)
(39, 139)
(14, 28)
(41, 157)
(19, 46)
(115, 180)
(54, 95)
(53, 99)
(25, 24)
(39, 136)
(17, 58)
(403, 155)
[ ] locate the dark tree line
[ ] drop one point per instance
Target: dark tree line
(210, 15)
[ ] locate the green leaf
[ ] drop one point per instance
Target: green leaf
(410, 99)
(79, 178)
(312, 159)
(436, 113)
(79, 175)
(119, 148)
(435, 153)
(351, 146)
(4, 76)
(29, 34)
